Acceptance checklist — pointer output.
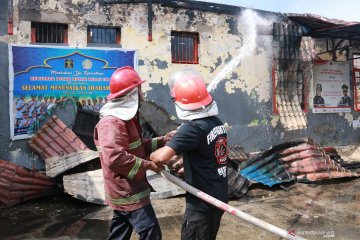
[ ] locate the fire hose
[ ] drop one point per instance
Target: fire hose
(226, 207)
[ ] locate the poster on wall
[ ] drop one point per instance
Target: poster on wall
(331, 87)
(41, 76)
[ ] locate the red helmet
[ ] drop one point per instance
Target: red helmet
(122, 81)
(188, 90)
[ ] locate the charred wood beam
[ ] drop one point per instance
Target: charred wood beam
(344, 48)
(334, 57)
(350, 32)
(150, 18)
(10, 18)
(203, 6)
(186, 4)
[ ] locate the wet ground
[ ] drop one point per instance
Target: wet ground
(330, 210)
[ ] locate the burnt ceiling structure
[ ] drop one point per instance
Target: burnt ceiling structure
(342, 34)
(193, 5)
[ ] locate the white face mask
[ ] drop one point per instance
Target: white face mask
(124, 107)
(208, 111)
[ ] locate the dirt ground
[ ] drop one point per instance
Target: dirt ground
(314, 211)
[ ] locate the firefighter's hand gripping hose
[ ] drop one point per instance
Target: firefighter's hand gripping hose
(233, 211)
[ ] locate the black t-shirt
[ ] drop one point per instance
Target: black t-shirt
(203, 143)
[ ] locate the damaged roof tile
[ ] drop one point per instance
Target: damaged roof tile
(60, 147)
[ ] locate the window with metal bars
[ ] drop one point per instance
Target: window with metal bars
(104, 35)
(49, 33)
(184, 47)
(356, 81)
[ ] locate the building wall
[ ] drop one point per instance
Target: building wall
(235, 58)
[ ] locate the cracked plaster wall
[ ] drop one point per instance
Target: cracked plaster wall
(244, 95)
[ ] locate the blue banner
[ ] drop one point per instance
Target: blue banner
(41, 76)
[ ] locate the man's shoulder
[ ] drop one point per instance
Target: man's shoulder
(202, 124)
(111, 120)
(110, 124)
(212, 120)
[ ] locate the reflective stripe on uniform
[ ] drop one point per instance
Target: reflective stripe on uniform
(154, 143)
(129, 200)
(135, 144)
(134, 169)
(99, 148)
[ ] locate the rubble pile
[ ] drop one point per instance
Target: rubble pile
(299, 160)
(60, 148)
(309, 162)
(71, 163)
(18, 184)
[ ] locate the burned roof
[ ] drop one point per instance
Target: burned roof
(186, 4)
(60, 148)
(321, 27)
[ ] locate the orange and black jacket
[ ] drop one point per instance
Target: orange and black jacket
(123, 154)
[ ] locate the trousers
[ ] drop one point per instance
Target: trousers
(143, 220)
(200, 225)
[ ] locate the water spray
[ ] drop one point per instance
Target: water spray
(249, 20)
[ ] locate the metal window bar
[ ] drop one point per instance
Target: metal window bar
(48, 32)
(103, 35)
(52, 33)
(107, 36)
(356, 81)
(356, 61)
(113, 34)
(184, 47)
(356, 90)
(172, 48)
(38, 32)
(187, 48)
(192, 46)
(95, 35)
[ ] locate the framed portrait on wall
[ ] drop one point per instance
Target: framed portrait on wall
(331, 87)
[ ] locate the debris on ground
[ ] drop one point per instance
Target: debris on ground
(299, 160)
(60, 148)
(18, 184)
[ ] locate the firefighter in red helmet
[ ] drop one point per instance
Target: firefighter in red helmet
(124, 159)
(188, 90)
(202, 140)
(122, 81)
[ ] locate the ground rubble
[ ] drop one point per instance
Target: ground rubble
(314, 211)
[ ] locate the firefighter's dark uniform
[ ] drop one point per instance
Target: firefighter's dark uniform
(203, 145)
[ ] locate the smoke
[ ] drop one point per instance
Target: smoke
(250, 22)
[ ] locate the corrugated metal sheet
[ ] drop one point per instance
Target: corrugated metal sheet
(300, 160)
(61, 149)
